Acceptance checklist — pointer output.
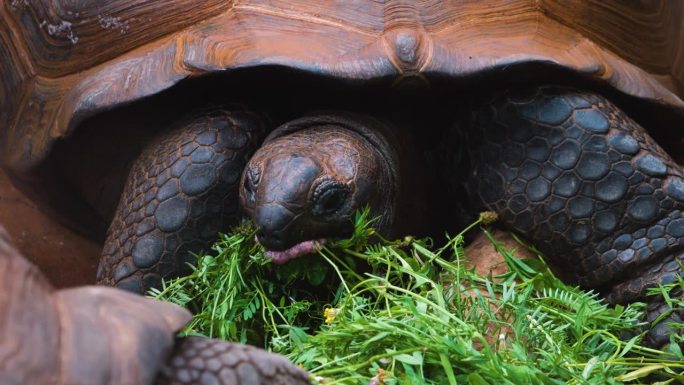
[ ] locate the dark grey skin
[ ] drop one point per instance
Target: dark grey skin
(565, 169)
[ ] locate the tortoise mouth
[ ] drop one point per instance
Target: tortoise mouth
(280, 257)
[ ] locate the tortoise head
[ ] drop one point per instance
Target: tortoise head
(305, 184)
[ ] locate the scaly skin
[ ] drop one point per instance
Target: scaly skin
(203, 361)
(179, 194)
(587, 185)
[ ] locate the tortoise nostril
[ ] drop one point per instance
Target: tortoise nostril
(270, 240)
(261, 236)
(272, 218)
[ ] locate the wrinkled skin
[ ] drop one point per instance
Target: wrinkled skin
(564, 168)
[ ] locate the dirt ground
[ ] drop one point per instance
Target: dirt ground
(66, 258)
(486, 260)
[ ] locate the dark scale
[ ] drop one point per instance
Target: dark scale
(178, 205)
(203, 361)
(616, 204)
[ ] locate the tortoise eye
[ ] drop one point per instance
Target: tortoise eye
(329, 197)
(332, 200)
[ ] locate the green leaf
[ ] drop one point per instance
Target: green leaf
(640, 373)
(589, 367)
(243, 336)
(444, 360)
(298, 336)
(415, 359)
(629, 345)
(675, 349)
(474, 378)
(377, 337)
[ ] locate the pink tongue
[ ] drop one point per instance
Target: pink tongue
(303, 248)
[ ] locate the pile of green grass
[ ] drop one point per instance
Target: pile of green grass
(403, 312)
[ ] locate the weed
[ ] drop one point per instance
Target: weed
(404, 312)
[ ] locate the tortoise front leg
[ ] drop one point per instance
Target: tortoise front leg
(197, 360)
(180, 193)
(587, 185)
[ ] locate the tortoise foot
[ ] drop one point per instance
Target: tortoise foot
(181, 191)
(658, 334)
(204, 361)
(572, 173)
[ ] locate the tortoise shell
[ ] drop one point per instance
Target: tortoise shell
(63, 61)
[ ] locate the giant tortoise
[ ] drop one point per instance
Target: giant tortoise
(538, 110)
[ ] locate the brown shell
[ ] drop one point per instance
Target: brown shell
(62, 61)
(84, 335)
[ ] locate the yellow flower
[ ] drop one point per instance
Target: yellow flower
(330, 314)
